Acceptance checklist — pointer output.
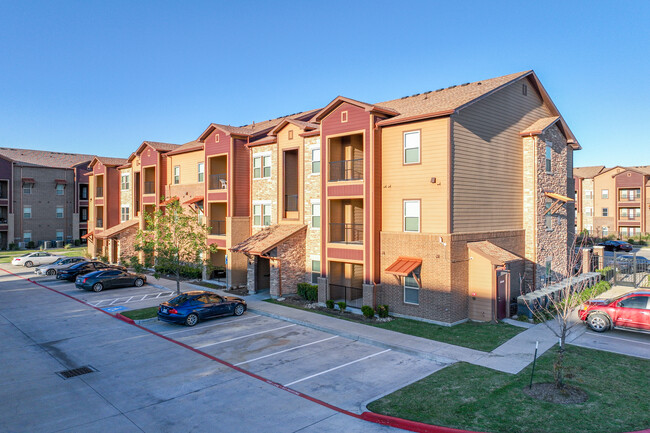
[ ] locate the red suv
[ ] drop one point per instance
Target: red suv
(630, 311)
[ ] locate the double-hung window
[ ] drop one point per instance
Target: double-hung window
(177, 174)
(201, 170)
(60, 189)
(262, 166)
(315, 271)
(27, 212)
(59, 235)
(411, 215)
(59, 211)
(411, 290)
(261, 215)
(27, 188)
(605, 231)
(125, 213)
(605, 211)
(604, 193)
(549, 153)
(548, 217)
(315, 160)
(27, 237)
(315, 214)
(125, 181)
(412, 147)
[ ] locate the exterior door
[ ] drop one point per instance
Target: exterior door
(503, 279)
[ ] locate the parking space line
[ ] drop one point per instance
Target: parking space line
(616, 338)
(124, 300)
(336, 368)
(245, 336)
(210, 326)
(286, 350)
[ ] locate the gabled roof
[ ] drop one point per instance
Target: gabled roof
(158, 146)
(341, 99)
(116, 229)
(305, 126)
(538, 127)
(588, 172)
(262, 141)
(44, 158)
(108, 162)
(191, 146)
(497, 255)
(267, 239)
(641, 169)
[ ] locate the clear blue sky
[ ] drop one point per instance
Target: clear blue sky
(101, 77)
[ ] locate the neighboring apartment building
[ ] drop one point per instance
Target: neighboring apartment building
(612, 201)
(441, 204)
(43, 196)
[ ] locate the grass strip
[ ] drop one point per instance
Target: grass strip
(141, 314)
(7, 256)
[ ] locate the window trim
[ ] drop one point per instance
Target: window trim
(62, 212)
(128, 212)
(604, 211)
(548, 157)
(261, 157)
(604, 194)
(200, 172)
(128, 181)
(419, 147)
(314, 273)
(404, 287)
(315, 203)
(315, 150)
(176, 178)
(404, 202)
(30, 212)
(60, 189)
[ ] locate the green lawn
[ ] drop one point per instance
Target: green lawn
(143, 313)
(480, 336)
(476, 398)
(7, 256)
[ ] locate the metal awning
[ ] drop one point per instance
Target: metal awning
(194, 200)
(168, 201)
(558, 201)
(88, 236)
(60, 181)
(28, 180)
(403, 266)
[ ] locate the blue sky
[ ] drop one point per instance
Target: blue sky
(101, 77)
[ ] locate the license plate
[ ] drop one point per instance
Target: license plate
(163, 309)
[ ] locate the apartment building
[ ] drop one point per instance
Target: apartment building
(43, 196)
(440, 204)
(612, 201)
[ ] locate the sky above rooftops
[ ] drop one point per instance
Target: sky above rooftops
(101, 77)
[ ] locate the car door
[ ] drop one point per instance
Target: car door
(124, 279)
(219, 305)
(111, 278)
(201, 304)
(632, 312)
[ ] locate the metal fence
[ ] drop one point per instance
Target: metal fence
(352, 296)
(348, 169)
(347, 233)
(218, 181)
(627, 269)
(217, 227)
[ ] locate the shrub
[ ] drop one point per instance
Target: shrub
(67, 246)
(30, 245)
(103, 259)
(606, 273)
(77, 242)
(185, 271)
(342, 305)
(134, 262)
(308, 291)
(382, 311)
(13, 246)
(330, 304)
(368, 311)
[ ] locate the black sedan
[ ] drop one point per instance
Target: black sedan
(109, 279)
(190, 307)
(616, 246)
(82, 268)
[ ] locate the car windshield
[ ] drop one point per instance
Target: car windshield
(178, 300)
(25, 255)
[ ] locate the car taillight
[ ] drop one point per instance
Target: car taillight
(173, 311)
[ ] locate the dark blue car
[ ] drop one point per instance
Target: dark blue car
(191, 307)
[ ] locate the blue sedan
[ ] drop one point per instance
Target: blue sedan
(190, 307)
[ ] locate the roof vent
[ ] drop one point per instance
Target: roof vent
(479, 83)
(440, 90)
(451, 87)
(466, 84)
(427, 92)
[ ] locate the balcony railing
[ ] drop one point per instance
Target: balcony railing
(218, 181)
(291, 202)
(149, 187)
(217, 227)
(348, 169)
(100, 192)
(347, 233)
(352, 296)
(99, 224)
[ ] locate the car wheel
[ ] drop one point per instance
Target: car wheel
(98, 287)
(50, 272)
(29, 264)
(192, 320)
(239, 310)
(598, 322)
(139, 282)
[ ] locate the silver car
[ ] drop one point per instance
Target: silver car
(62, 263)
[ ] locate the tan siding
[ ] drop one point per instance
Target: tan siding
(601, 182)
(402, 182)
(488, 195)
(189, 163)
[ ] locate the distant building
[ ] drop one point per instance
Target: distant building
(612, 201)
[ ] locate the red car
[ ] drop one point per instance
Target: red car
(630, 311)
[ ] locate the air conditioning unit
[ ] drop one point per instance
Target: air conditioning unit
(21, 244)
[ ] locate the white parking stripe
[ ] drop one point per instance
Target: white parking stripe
(114, 301)
(248, 316)
(616, 338)
(245, 336)
(286, 350)
(336, 368)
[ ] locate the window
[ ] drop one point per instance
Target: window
(27, 236)
(640, 302)
(261, 215)
(125, 181)
(344, 116)
(266, 166)
(547, 216)
(257, 215)
(548, 265)
(589, 194)
(315, 160)
(59, 235)
(315, 215)
(59, 211)
(267, 214)
(605, 231)
(624, 212)
(27, 188)
(637, 212)
(411, 290)
(604, 193)
(83, 192)
(605, 211)
(589, 211)
(412, 147)
(200, 215)
(589, 228)
(315, 271)
(27, 212)
(84, 214)
(549, 153)
(201, 171)
(290, 135)
(411, 215)
(177, 174)
(60, 189)
(261, 167)
(125, 213)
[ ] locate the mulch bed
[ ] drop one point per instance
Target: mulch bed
(298, 301)
(549, 392)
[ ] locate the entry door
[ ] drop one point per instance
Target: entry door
(503, 279)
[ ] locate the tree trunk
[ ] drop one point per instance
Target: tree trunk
(558, 369)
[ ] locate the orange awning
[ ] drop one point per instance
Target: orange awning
(560, 197)
(87, 235)
(169, 200)
(194, 200)
(403, 266)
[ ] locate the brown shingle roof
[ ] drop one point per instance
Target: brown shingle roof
(266, 239)
(112, 161)
(588, 172)
(45, 158)
(496, 254)
(162, 147)
(116, 229)
(540, 125)
(187, 147)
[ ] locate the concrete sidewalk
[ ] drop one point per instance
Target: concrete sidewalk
(511, 357)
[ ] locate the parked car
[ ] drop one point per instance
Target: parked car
(625, 264)
(109, 279)
(83, 268)
(616, 246)
(36, 258)
(191, 307)
(630, 311)
(62, 263)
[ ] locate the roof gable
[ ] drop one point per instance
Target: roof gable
(341, 99)
(157, 146)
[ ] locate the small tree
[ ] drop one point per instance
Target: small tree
(176, 239)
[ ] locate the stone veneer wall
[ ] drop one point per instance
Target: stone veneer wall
(291, 253)
(312, 193)
(126, 244)
(265, 189)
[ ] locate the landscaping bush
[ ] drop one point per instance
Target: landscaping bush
(330, 304)
(67, 246)
(13, 246)
(308, 292)
(30, 245)
(134, 262)
(186, 271)
(77, 242)
(368, 311)
(382, 311)
(606, 273)
(342, 305)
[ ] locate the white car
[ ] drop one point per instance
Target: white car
(36, 258)
(62, 263)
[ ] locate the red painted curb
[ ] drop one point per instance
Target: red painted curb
(409, 425)
(125, 319)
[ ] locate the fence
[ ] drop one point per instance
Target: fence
(352, 296)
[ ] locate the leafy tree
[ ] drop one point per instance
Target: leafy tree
(176, 239)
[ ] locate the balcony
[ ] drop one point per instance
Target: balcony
(4, 189)
(99, 192)
(346, 221)
(345, 158)
(149, 187)
(218, 227)
(218, 181)
(99, 224)
(345, 283)
(218, 173)
(352, 296)
(346, 233)
(217, 213)
(347, 169)
(291, 202)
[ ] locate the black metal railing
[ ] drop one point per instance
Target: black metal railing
(100, 192)
(347, 233)
(218, 181)
(352, 296)
(149, 187)
(99, 224)
(348, 169)
(217, 227)
(291, 202)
